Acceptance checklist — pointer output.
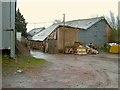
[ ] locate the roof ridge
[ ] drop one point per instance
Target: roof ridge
(102, 17)
(38, 28)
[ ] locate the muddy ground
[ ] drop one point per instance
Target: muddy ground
(69, 71)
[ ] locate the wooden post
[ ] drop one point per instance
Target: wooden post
(63, 33)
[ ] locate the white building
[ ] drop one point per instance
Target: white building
(19, 36)
(7, 26)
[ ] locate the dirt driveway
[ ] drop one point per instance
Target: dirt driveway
(69, 71)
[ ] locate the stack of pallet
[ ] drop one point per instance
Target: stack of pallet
(81, 50)
(69, 50)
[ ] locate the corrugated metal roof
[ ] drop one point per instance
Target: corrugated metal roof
(82, 24)
(35, 31)
(44, 33)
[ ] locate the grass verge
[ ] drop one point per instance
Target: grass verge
(9, 65)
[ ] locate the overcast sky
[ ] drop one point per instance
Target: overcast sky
(44, 12)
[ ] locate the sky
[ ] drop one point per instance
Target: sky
(44, 12)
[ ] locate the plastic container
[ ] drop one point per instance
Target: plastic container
(107, 48)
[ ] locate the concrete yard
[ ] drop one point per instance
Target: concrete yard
(69, 71)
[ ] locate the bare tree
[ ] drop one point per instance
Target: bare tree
(118, 21)
(112, 20)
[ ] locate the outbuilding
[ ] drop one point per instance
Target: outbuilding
(56, 37)
(93, 30)
(34, 31)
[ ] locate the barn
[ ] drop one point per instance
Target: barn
(93, 30)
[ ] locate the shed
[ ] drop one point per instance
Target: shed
(34, 31)
(57, 37)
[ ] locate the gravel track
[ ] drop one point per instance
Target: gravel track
(69, 71)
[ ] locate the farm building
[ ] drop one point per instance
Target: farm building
(94, 30)
(56, 37)
(7, 26)
(34, 31)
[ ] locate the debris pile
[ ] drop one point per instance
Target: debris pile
(91, 49)
(69, 50)
(81, 49)
(19, 71)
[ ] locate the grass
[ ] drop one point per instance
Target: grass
(22, 62)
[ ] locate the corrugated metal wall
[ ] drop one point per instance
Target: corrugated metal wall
(96, 34)
(8, 22)
(0, 25)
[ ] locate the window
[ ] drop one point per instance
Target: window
(53, 35)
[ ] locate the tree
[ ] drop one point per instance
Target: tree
(20, 24)
(114, 23)
(118, 18)
(112, 20)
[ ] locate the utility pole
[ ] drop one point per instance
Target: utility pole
(64, 33)
(64, 19)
